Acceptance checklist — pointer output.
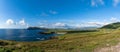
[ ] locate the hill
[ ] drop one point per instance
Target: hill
(112, 26)
(36, 28)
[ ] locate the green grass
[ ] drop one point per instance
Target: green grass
(70, 42)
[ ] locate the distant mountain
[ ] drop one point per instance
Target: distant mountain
(88, 28)
(61, 27)
(112, 26)
(36, 28)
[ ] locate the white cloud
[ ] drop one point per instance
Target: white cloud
(9, 22)
(113, 19)
(43, 14)
(116, 2)
(95, 23)
(93, 3)
(97, 2)
(77, 25)
(53, 12)
(101, 2)
(90, 24)
(22, 22)
(98, 23)
(45, 21)
(46, 14)
(59, 24)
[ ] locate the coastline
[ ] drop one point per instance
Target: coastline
(74, 42)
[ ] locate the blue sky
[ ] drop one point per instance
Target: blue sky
(44, 13)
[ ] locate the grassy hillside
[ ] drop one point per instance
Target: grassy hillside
(112, 26)
(70, 42)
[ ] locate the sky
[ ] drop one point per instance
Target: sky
(58, 13)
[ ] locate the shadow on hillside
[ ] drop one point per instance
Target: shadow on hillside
(81, 31)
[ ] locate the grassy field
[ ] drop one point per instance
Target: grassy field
(72, 41)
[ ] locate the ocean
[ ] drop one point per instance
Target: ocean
(23, 35)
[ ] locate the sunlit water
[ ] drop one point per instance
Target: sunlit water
(23, 35)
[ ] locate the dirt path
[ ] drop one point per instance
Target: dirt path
(115, 48)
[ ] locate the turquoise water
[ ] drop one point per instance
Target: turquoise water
(23, 35)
